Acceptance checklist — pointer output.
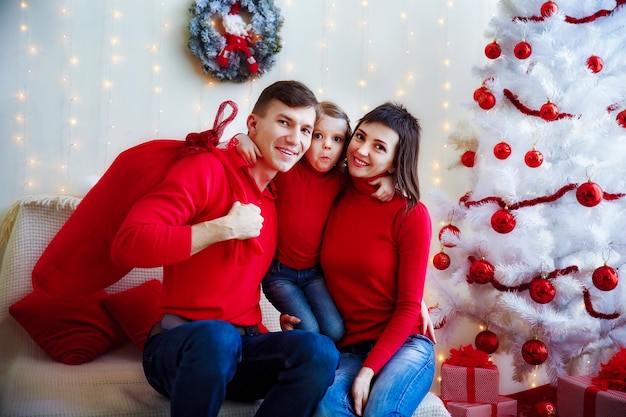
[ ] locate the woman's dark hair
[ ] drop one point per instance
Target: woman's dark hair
(396, 117)
(292, 93)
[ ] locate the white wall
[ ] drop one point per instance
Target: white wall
(84, 79)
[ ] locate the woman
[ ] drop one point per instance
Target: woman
(374, 256)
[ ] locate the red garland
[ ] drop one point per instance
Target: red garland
(470, 357)
(526, 203)
(574, 20)
(594, 313)
(527, 111)
(613, 374)
(523, 287)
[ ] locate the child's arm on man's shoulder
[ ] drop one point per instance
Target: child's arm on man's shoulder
(386, 189)
(246, 148)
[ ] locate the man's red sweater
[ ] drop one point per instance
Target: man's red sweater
(222, 281)
(374, 256)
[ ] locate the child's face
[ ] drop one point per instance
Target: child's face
(326, 143)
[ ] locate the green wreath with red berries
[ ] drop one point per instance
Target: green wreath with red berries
(235, 40)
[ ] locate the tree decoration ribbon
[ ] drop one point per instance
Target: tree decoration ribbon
(612, 375)
(230, 48)
(528, 111)
(469, 357)
(577, 20)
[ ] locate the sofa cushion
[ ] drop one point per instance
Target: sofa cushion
(72, 330)
(135, 309)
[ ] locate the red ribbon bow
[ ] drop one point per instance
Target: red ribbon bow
(470, 357)
(612, 375)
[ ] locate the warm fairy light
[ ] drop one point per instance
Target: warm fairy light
(21, 96)
(441, 21)
(364, 3)
(320, 91)
(23, 28)
(24, 5)
(19, 118)
(73, 60)
(446, 126)
(154, 48)
(447, 86)
(107, 84)
(33, 50)
(403, 15)
(157, 90)
(73, 122)
(450, 3)
(362, 83)
(446, 62)
(117, 14)
(445, 104)
(436, 181)
(400, 93)
(114, 41)
(156, 68)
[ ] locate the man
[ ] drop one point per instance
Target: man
(211, 222)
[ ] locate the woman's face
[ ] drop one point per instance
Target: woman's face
(372, 150)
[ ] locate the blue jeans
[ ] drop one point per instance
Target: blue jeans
(303, 293)
(397, 390)
(199, 364)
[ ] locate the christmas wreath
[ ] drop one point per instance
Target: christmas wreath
(229, 47)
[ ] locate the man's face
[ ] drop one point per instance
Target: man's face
(282, 135)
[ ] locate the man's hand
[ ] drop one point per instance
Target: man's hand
(243, 221)
(361, 389)
(386, 189)
(288, 322)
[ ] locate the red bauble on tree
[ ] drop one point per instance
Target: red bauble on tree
(486, 100)
(541, 290)
(441, 261)
(595, 63)
(621, 118)
(481, 271)
(503, 221)
(502, 150)
(589, 194)
(533, 158)
(549, 8)
(446, 230)
(534, 352)
(549, 111)
(468, 158)
(487, 341)
(522, 50)
(479, 92)
(605, 278)
(493, 50)
(543, 408)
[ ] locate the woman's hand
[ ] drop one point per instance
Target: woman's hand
(288, 322)
(428, 328)
(361, 389)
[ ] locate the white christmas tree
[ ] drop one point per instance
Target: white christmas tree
(534, 249)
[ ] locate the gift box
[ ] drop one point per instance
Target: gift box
(577, 396)
(469, 376)
(506, 407)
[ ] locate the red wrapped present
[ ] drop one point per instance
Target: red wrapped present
(469, 376)
(577, 396)
(506, 407)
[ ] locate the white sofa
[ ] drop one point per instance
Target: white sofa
(33, 384)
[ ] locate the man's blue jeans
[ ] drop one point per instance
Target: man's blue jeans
(303, 293)
(397, 390)
(199, 364)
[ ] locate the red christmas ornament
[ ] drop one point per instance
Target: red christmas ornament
(522, 50)
(481, 271)
(533, 158)
(621, 118)
(605, 278)
(549, 111)
(541, 290)
(487, 341)
(589, 194)
(503, 221)
(549, 8)
(502, 150)
(534, 352)
(468, 158)
(493, 50)
(486, 100)
(449, 229)
(543, 408)
(441, 261)
(479, 92)
(595, 63)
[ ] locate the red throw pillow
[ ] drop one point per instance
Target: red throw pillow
(136, 309)
(72, 330)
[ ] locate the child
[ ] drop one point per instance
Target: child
(294, 283)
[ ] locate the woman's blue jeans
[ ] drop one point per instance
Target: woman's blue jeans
(397, 390)
(303, 293)
(199, 364)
